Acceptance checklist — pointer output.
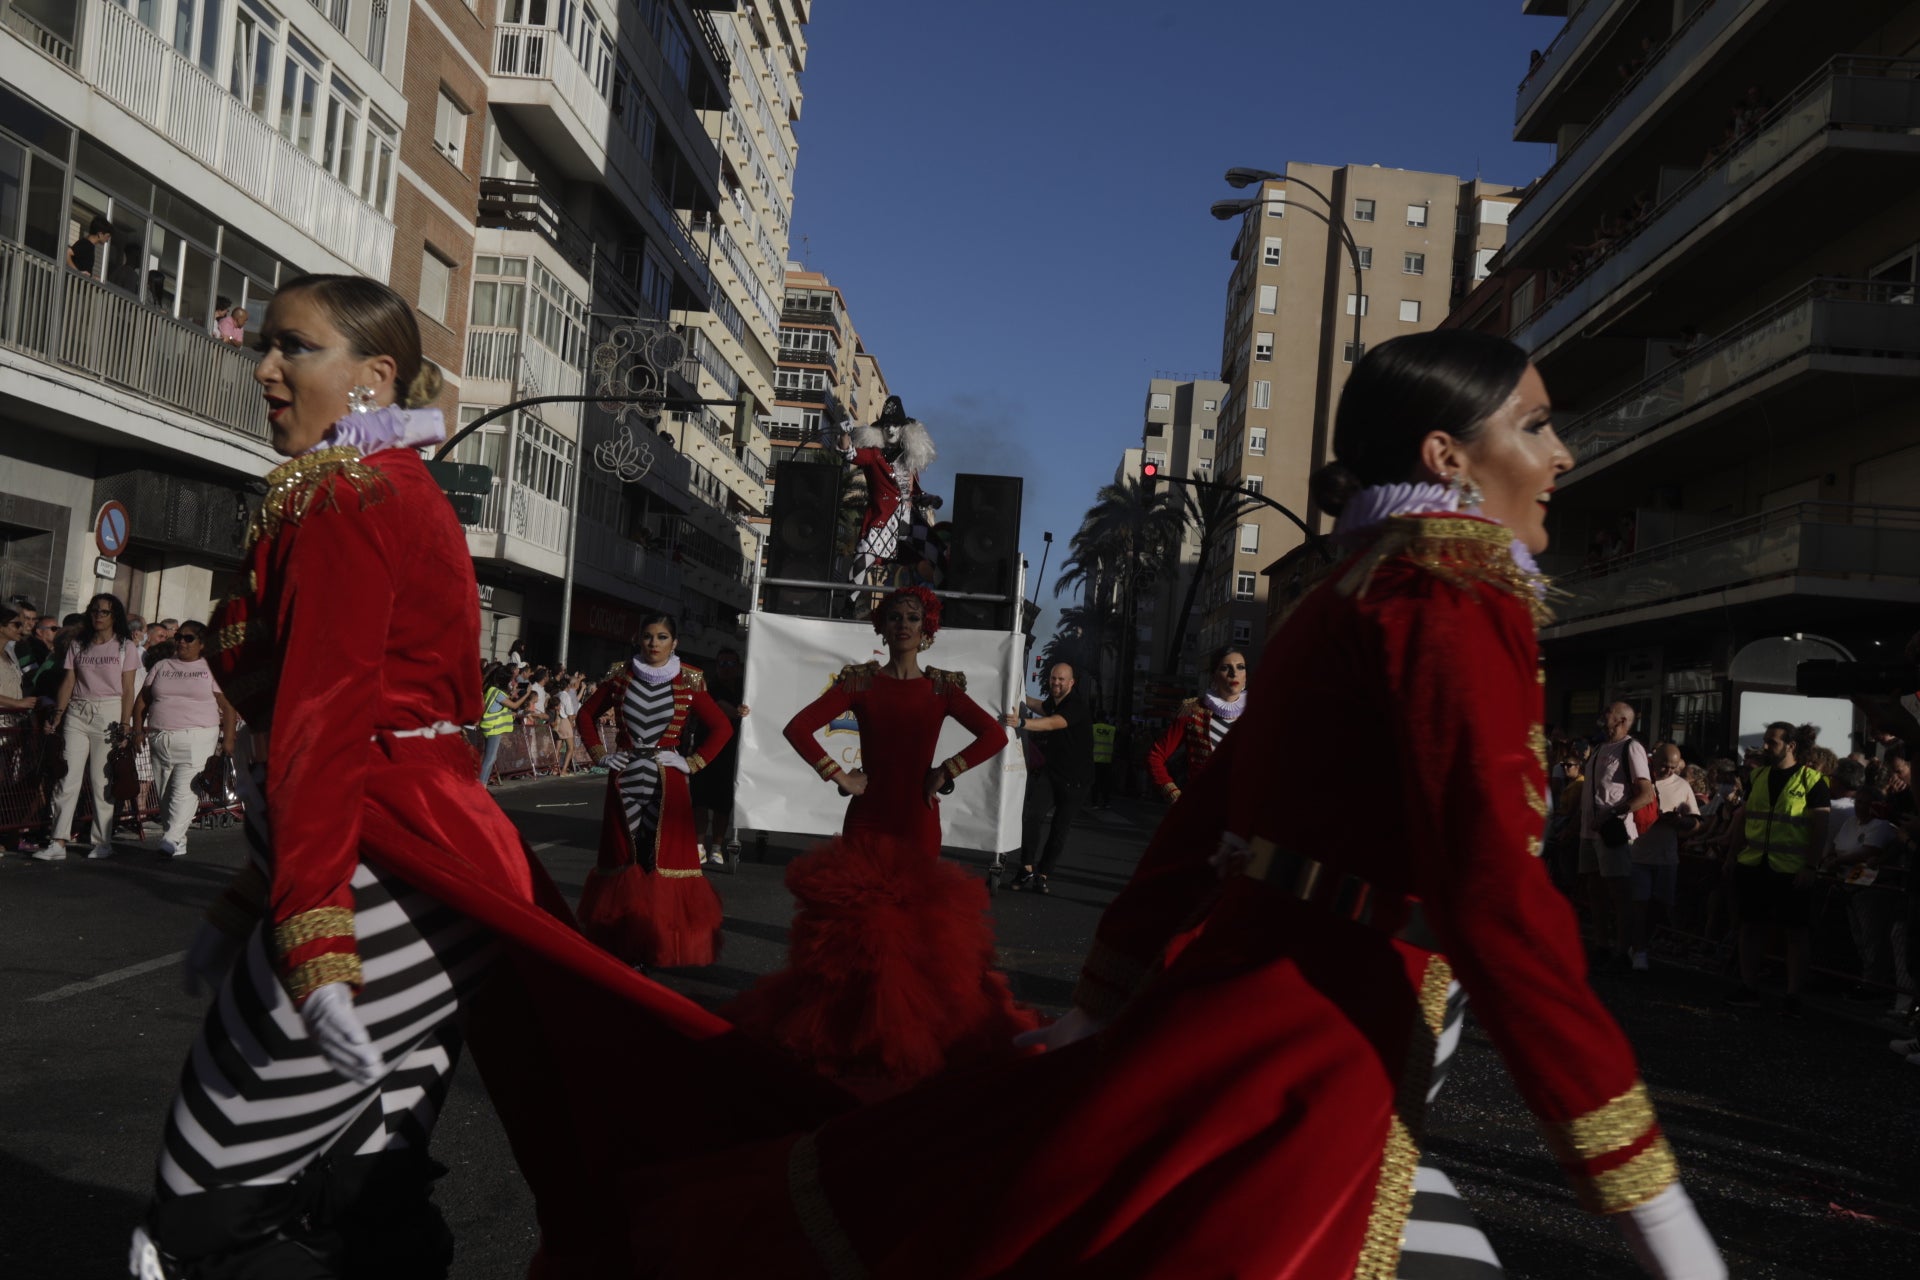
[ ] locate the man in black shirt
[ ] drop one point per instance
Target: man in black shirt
(1059, 786)
(80, 256)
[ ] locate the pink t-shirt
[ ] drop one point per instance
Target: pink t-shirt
(99, 667)
(182, 694)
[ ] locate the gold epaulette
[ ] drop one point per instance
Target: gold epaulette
(1187, 708)
(945, 680)
(294, 487)
(859, 675)
(695, 678)
(1456, 549)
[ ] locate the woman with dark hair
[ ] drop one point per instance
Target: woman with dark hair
(890, 975)
(1294, 1042)
(93, 711)
(185, 717)
(1202, 722)
(648, 901)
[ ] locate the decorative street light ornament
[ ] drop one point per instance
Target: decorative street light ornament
(622, 456)
(633, 360)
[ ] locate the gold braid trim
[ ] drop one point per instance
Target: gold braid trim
(674, 873)
(312, 926)
(1536, 800)
(695, 763)
(338, 966)
(826, 768)
(293, 487)
(858, 675)
(241, 904)
(955, 766)
(1606, 1129)
(945, 680)
(1400, 1151)
(1635, 1182)
(1457, 550)
(815, 1213)
(235, 634)
(1537, 739)
(693, 677)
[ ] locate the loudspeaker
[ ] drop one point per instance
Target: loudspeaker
(806, 513)
(984, 555)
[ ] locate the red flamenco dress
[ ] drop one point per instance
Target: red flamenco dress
(890, 975)
(1254, 1107)
(648, 900)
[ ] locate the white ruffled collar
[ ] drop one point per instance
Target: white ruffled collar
(1224, 709)
(1378, 503)
(662, 674)
(387, 427)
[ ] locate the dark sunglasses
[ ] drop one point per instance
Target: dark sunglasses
(188, 637)
(99, 612)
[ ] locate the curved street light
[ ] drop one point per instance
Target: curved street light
(1240, 177)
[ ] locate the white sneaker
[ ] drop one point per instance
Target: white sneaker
(172, 850)
(56, 851)
(100, 851)
(1905, 1048)
(143, 1260)
(1640, 961)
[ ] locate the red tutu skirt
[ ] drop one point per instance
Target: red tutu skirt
(646, 917)
(890, 974)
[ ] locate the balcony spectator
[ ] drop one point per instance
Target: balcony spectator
(239, 338)
(158, 295)
(83, 255)
(225, 327)
(1656, 851)
(125, 274)
(1687, 343)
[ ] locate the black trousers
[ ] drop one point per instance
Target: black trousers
(1045, 796)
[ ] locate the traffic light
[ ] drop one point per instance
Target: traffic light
(1149, 477)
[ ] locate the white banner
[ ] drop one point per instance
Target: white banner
(791, 661)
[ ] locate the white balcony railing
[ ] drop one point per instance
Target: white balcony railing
(54, 313)
(525, 52)
(518, 512)
(1872, 547)
(135, 68)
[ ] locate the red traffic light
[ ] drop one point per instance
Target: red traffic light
(1149, 469)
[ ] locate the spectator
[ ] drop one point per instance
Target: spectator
(84, 254)
(239, 338)
(1618, 783)
(1783, 832)
(92, 709)
(37, 654)
(15, 702)
(137, 629)
(1056, 792)
(1104, 732)
(25, 651)
(496, 718)
(125, 274)
(186, 717)
(161, 632)
(713, 787)
(225, 327)
(1656, 851)
(567, 712)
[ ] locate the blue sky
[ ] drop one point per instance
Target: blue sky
(1013, 196)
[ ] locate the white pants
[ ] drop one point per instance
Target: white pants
(178, 757)
(83, 732)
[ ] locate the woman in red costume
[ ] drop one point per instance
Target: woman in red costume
(648, 901)
(1253, 1106)
(389, 909)
(890, 975)
(1203, 722)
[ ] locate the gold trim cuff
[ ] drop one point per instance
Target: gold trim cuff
(1606, 1129)
(1635, 1182)
(695, 763)
(955, 766)
(827, 768)
(336, 966)
(312, 926)
(676, 873)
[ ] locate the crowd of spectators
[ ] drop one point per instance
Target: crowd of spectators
(542, 706)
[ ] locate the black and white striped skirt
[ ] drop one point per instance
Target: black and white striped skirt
(1441, 1240)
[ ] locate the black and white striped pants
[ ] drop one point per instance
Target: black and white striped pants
(1441, 1240)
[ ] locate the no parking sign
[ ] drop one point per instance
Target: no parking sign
(112, 529)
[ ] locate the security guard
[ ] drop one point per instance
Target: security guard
(1104, 732)
(1785, 829)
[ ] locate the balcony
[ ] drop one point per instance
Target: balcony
(1573, 41)
(131, 66)
(1831, 550)
(52, 313)
(47, 25)
(515, 205)
(1850, 329)
(798, 313)
(522, 527)
(621, 558)
(1853, 124)
(802, 395)
(528, 367)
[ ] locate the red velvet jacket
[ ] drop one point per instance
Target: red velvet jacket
(1426, 642)
(1192, 728)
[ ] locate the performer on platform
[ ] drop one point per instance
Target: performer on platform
(1291, 1044)
(890, 973)
(891, 453)
(1202, 722)
(351, 951)
(648, 901)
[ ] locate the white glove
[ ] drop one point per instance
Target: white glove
(210, 955)
(1078, 1024)
(342, 1037)
(1668, 1239)
(673, 760)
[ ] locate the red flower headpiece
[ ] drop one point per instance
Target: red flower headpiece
(929, 608)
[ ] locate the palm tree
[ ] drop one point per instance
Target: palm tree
(1214, 512)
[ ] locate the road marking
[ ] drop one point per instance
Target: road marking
(118, 975)
(544, 845)
(564, 804)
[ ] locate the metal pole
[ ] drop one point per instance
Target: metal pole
(573, 503)
(1044, 553)
(666, 403)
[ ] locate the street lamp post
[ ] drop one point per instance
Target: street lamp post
(1335, 218)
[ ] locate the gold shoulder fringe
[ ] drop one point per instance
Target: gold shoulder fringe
(858, 675)
(944, 679)
(293, 488)
(1459, 551)
(1187, 708)
(693, 676)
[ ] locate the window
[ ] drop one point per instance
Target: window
(1253, 484)
(1366, 257)
(1270, 256)
(1162, 400)
(556, 318)
(343, 129)
(1277, 202)
(1350, 353)
(299, 93)
(1357, 301)
(1410, 310)
(1256, 440)
(1206, 433)
(1414, 264)
(1243, 633)
(1263, 394)
(436, 283)
(377, 34)
(543, 459)
(499, 291)
(1269, 299)
(335, 11)
(450, 128)
(1263, 346)
(1416, 215)
(1249, 539)
(376, 161)
(1209, 405)
(1363, 211)
(1243, 585)
(250, 74)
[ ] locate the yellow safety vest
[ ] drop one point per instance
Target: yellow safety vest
(1777, 826)
(495, 723)
(1103, 743)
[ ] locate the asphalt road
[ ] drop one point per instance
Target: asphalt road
(1800, 1139)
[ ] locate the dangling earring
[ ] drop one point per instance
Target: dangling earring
(361, 399)
(926, 643)
(1468, 493)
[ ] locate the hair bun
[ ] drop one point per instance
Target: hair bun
(1333, 485)
(424, 387)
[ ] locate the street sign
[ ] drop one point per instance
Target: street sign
(112, 529)
(466, 486)
(105, 567)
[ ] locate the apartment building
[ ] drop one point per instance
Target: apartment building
(229, 145)
(827, 380)
(1717, 279)
(1181, 425)
(1294, 297)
